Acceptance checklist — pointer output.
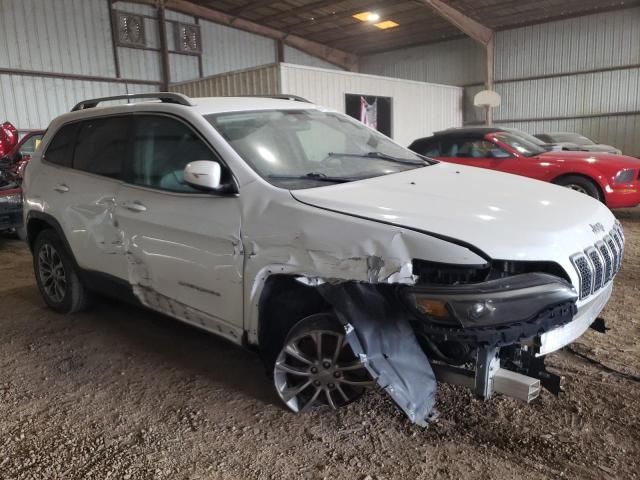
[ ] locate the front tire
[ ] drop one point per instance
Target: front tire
(56, 275)
(316, 366)
(580, 184)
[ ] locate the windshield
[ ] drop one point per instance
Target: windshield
(526, 136)
(571, 138)
(520, 144)
(308, 148)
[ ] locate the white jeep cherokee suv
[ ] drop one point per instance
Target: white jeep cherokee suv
(343, 258)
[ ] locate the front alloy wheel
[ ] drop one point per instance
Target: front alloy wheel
(53, 277)
(316, 366)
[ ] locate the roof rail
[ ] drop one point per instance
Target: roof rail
(164, 97)
(286, 96)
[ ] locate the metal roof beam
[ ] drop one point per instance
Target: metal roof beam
(479, 32)
(468, 25)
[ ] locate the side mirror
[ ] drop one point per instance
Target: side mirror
(203, 174)
(499, 153)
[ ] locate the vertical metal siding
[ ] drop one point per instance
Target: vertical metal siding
(179, 17)
(293, 55)
(32, 102)
(586, 94)
(63, 36)
(183, 67)
(135, 8)
(254, 81)
(418, 109)
(610, 39)
(138, 64)
(565, 49)
(456, 62)
(227, 49)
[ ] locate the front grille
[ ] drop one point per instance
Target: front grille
(598, 268)
(608, 261)
(585, 273)
(597, 265)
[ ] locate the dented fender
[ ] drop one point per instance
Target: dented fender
(283, 236)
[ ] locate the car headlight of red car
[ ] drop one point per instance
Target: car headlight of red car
(625, 176)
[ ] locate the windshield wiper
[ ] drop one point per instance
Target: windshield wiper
(321, 177)
(380, 156)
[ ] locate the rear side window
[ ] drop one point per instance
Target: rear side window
(102, 146)
(428, 149)
(162, 147)
(60, 149)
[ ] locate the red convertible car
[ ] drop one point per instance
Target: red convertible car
(612, 179)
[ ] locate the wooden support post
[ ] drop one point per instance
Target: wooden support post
(480, 33)
(114, 33)
(490, 49)
(164, 50)
(332, 55)
(279, 51)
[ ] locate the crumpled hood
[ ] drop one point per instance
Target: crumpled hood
(506, 216)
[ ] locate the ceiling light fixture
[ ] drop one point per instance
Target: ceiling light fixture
(367, 16)
(386, 24)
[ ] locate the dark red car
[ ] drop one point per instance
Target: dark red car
(612, 179)
(17, 157)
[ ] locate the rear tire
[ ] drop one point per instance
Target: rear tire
(580, 184)
(56, 275)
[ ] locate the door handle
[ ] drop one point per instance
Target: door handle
(61, 187)
(135, 207)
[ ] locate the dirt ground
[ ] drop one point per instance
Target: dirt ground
(122, 393)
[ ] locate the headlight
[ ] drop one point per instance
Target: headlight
(519, 298)
(13, 199)
(625, 176)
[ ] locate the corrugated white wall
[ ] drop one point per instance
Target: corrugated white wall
(63, 36)
(418, 108)
(71, 37)
(30, 103)
(136, 63)
(456, 62)
(609, 39)
(293, 55)
(226, 49)
(594, 63)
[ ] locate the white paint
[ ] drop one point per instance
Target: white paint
(194, 253)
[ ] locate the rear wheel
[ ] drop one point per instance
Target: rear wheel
(316, 366)
(56, 275)
(580, 184)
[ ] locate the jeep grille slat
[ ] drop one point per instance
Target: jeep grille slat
(598, 267)
(598, 264)
(608, 261)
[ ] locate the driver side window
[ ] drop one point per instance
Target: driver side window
(162, 147)
(473, 148)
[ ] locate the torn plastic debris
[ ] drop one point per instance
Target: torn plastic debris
(379, 333)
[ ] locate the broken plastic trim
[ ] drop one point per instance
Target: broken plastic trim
(379, 332)
(504, 301)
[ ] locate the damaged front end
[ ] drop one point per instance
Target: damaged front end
(476, 327)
